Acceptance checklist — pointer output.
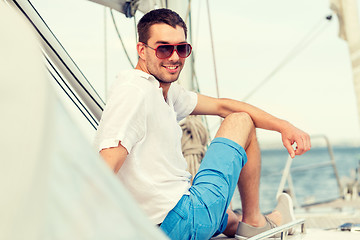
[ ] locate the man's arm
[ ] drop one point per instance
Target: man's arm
(223, 107)
(114, 156)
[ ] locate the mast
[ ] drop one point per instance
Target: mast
(181, 7)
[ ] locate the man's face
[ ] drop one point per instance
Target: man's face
(165, 70)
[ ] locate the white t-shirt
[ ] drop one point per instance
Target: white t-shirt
(147, 126)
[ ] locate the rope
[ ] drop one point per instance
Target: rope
(122, 43)
(136, 37)
(198, 15)
(296, 50)
(188, 10)
(105, 55)
(213, 50)
(193, 142)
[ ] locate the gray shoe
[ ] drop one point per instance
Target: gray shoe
(245, 231)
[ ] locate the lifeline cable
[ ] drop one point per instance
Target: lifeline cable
(122, 43)
(296, 50)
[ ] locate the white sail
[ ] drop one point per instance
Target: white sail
(347, 13)
(53, 185)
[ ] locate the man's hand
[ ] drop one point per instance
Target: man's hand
(291, 135)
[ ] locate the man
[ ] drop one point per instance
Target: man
(140, 139)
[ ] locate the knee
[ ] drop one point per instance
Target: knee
(238, 127)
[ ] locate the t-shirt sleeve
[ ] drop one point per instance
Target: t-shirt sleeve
(184, 101)
(123, 119)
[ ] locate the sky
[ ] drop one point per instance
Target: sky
(314, 91)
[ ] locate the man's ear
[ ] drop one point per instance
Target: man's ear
(140, 47)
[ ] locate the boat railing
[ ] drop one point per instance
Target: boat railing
(286, 174)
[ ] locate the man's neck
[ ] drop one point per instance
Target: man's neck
(165, 86)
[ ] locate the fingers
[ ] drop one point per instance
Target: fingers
(291, 135)
(303, 143)
(289, 148)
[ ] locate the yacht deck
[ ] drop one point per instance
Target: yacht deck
(323, 220)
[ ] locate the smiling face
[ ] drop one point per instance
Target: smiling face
(165, 70)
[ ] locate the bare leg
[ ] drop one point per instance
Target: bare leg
(239, 128)
(249, 179)
(248, 185)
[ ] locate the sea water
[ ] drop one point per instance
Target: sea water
(311, 184)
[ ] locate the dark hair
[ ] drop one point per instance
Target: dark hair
(161, 15)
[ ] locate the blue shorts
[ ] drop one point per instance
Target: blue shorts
(202, 214)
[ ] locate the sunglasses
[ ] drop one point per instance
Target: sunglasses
(166, 50)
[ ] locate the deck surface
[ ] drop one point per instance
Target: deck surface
(314, 234)
(322, 221)
(332, 214)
